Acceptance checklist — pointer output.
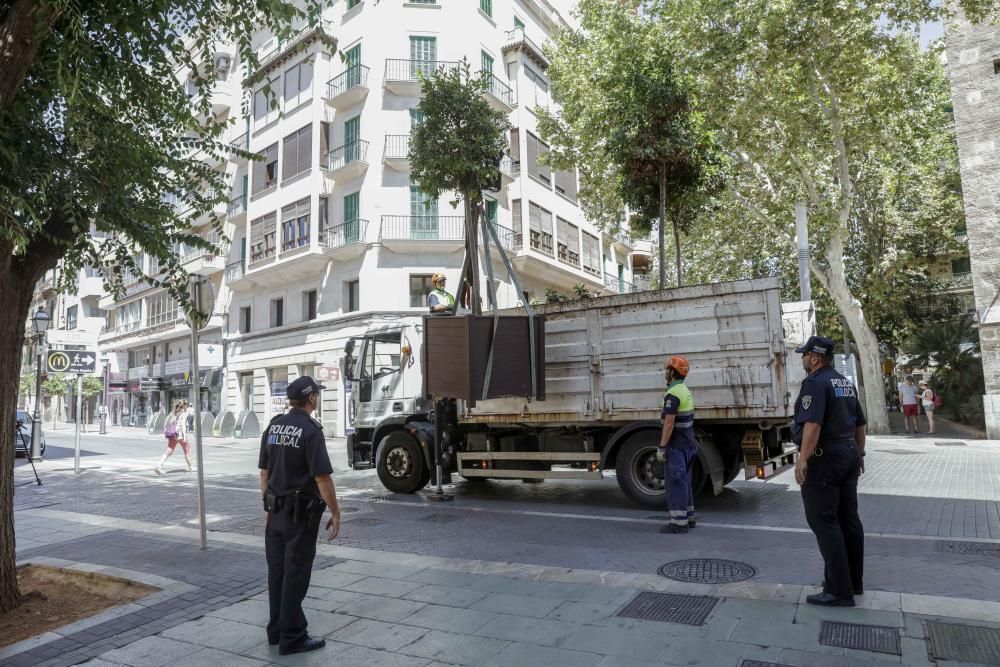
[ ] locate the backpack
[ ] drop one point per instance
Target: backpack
(170, 428)
(937, 399)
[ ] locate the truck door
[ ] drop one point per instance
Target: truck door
(380, 377)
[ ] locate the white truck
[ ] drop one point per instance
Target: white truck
(604, 386)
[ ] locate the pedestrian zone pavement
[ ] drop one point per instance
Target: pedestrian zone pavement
(391, 609)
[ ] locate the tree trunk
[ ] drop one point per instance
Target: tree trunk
(472, 251)
(677, 250)
(23, 30)
(834, 280)
(15, 302)
(663, 221)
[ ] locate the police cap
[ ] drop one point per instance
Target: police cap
(817, 345)
(302, 388)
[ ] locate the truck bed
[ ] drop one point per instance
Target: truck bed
(604, 357)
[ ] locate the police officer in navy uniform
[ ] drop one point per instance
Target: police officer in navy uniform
(295, 480)
(832, 425)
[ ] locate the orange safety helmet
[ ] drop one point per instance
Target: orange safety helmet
(679, 364)
(436, 277)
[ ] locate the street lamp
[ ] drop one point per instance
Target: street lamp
(105, 359)
(40, 321)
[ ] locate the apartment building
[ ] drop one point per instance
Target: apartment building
(974, 69)
(329, 233)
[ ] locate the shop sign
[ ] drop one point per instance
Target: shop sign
(279, 394)
(177, 366)
(151, 384)
(327, 375)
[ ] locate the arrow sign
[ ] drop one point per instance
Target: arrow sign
(80, 362)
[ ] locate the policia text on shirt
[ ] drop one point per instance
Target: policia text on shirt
(295, 481)
(830, 427)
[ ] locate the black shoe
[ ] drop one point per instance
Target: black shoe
(671, 528)
(272, 642)
(830, 600)
(303, 646)
(692, 523)
(859, 591)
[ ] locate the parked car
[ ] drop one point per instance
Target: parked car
(22, 430)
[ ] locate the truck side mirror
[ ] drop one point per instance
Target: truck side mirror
(349, 360)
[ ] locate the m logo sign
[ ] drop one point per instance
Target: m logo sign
(80, 362)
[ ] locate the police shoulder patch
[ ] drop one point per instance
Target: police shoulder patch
(807, 400)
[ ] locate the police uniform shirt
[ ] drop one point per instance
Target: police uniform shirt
(293, 451)
(683, 433)
(830, 400)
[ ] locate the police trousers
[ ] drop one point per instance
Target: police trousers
(677, 475)
(830, 497)
(290, 549)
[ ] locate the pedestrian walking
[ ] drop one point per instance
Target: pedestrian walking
(175, 431)
(927, 401)
(908, 401)
(295, 481)
(678, 448)
(831, 457)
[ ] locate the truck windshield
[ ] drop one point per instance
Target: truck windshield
(382, 355)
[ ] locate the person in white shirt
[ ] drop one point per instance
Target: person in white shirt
(927, 400)
(908, 401)
(175, 431)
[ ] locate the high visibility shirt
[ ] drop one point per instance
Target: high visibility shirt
(439, 297)
(679, 401)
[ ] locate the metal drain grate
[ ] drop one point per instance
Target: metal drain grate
(347, 510)
(669, 608)
(440, 518)
(968, 643)
(761, 663)
(973, 548)
(876, 638)
(364, 521)
(383, 499)
(707, 571)
(902, 452)
(950, 444)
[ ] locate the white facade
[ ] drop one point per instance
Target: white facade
(328, 232)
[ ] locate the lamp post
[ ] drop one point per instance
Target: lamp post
(40, 321)
(105, 360)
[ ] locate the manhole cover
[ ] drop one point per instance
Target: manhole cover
(876, 638)
(669, 608)
(950, 444)
(968, 643)
(364, 521)
(707, 571)
(974, 548)
(440, 518)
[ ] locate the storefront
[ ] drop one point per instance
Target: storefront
(143, 401)
(178, 387)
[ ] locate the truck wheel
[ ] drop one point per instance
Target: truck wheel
(639, 474)
(400, 463)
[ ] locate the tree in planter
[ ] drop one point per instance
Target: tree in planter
(96, 130)
(457, 148)
(92, 386)
(820, 104)
(628, 122)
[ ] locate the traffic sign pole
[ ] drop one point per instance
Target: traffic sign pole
(79, 407)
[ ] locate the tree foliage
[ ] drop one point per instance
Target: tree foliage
(952, 350)
(628, 120)
(54, 385)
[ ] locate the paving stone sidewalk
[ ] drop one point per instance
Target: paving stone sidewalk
(379, 608)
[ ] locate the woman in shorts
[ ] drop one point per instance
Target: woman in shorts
(175, 431)
(927, 400)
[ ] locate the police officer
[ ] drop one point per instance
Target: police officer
(439, 301)
(678, 447)
(830, 459)
(295, 480)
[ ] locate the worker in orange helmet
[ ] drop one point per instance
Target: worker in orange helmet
(678, 447)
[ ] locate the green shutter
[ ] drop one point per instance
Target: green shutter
(423, 215)
(518, 23)
(351, 210)
(487, 7)
(352, 132)
(487, 61)
(352, 58)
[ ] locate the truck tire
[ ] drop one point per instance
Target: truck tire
(639, 474)
(400, 463)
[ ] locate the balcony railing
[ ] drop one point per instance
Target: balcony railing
(352, 77)
(568, 256)
(542, 242)
(618, 285)
(505, 235)
(423, 227)
(959, 280)
(509, 166)
(397, 146)
(237, 206)
(191, 254)
(517, 36)
(241, 143)
(167, 316)
(497, 88)
(340, 157)
(352, 231)
(264, 249)
(234, 271)
(413, 70)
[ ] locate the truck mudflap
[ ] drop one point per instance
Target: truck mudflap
(711, 462)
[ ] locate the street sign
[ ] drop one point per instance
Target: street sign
(71, 361)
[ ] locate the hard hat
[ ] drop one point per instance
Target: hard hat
(438, 276)
(679, 364)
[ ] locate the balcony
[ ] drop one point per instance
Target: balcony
(240, 143)
(623, 239)
(617, 285)
(411, 232)
(505, 235)
(348, 88)
(347, 162)
(541, 242)
(517, 40)
(507, 172)
(957, 282)
(497, 93)
(237, 207)
(203, 262)
(396, 153)
(567, 256)
(345, 241)
(403, 77)
(234, 271)
(90, 287)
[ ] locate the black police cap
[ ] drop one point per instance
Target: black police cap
(817, 345)
(302, 388)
